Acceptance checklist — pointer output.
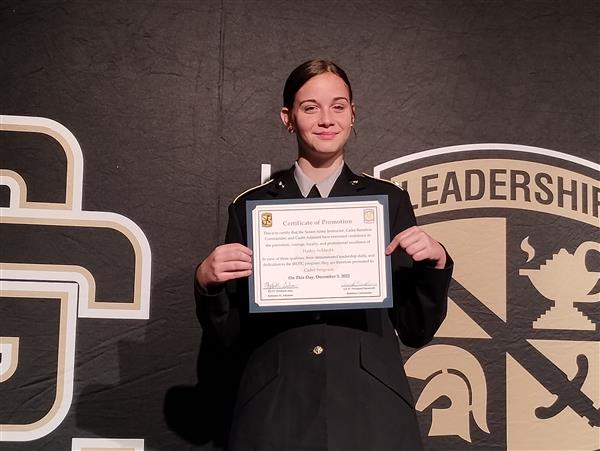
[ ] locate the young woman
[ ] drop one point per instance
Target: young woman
(323, 380)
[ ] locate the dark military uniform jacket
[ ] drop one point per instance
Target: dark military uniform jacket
(330, 380)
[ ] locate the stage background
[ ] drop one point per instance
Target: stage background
(175, 106)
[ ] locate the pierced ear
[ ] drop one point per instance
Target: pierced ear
(286, 119)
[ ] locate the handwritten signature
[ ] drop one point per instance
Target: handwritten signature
(359, 283)
(278, 285)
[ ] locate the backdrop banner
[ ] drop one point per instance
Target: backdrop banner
(127, 128)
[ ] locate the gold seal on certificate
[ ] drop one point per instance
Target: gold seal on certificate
(319, 254)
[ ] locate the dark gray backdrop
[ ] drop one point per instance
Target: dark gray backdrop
(175, 105)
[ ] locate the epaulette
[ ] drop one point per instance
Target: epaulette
(252, 189)
(396, 184)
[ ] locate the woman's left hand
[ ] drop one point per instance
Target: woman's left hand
(419, 246)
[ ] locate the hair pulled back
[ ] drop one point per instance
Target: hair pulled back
(305, 72)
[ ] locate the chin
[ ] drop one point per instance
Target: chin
(328, 148)
(321, 150)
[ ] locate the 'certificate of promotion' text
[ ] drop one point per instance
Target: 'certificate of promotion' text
(319, 254)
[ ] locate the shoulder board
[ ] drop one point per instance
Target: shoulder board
(396, 184)
(251, 189)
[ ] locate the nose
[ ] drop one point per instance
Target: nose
(325, 119)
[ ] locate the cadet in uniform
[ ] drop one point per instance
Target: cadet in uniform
(333, 379)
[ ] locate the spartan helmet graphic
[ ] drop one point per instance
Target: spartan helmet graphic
(457, 375)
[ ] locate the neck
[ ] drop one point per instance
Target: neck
(319, 170)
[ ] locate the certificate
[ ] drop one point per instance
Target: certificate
(319, 254)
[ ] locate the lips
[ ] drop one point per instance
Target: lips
(326, 135)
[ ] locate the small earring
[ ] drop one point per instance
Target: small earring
(290, 129)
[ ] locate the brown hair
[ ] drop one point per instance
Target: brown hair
(305, 72)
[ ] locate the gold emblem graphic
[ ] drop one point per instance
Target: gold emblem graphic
(369, 216)
(455, 373)
(266, 219)
(540, 319)
(564, 279)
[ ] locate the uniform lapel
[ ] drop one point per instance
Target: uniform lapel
(347, 184)
(284, 185)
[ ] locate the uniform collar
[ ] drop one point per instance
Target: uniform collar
(305, 183)
(284, 184)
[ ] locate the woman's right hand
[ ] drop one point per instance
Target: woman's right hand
(225, 262)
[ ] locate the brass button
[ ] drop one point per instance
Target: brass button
(318, 350)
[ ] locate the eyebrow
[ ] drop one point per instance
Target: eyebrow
(314, 101)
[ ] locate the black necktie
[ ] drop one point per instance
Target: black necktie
(314, 192)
